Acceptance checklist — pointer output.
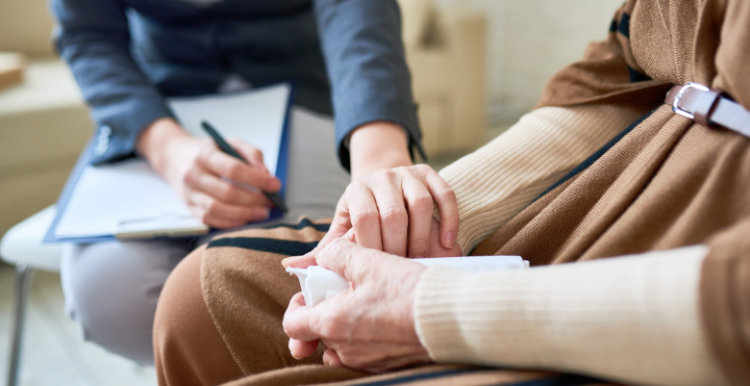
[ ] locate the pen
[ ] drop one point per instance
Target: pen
(275, 198)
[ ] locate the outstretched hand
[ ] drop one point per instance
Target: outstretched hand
(391, 211)
(389, 203)
(368, 327)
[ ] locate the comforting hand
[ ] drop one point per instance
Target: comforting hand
(389, 202)
(218, 189)
(370, 326)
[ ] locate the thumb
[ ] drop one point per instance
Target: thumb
(338, 229)
(308, 258)
(299, 261)
(350, 236)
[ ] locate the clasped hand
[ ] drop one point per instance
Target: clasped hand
(384, 215)
(368, 327)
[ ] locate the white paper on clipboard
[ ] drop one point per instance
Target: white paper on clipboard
(129, 199)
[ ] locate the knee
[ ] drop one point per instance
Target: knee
(112, 291)
(188, 348)
(180, 305)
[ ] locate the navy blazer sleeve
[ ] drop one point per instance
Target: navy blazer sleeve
(369, 77)
(362, 47)
(93, 37)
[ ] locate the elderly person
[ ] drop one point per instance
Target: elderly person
(644, 195)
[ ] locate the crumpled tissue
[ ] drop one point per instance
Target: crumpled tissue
(319, 284)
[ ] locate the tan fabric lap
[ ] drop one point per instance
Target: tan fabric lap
(725, 300)
(187, 346)
(247, 292)
(433, 375)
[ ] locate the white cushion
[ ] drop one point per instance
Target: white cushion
(22, 244)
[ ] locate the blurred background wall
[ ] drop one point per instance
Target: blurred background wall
(479, 65)
(528, 41)
(44, 123)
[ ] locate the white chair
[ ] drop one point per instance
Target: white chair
(22, 246)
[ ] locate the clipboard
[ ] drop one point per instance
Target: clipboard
(167, 224)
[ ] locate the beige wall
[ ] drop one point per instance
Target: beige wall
(44, 126)
(529, 40)
(26, 26)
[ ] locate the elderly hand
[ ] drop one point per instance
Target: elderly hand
(389, 202)
(368, 327)
(200, 174)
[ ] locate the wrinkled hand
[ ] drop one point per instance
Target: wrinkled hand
(220, 190)
(368, 327)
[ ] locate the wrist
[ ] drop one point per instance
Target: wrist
(155, 142)
(377, 146)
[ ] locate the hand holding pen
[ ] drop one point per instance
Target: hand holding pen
(275, 198)
(206, 179)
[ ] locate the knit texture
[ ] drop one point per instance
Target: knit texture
(496, 182)
(632, 319)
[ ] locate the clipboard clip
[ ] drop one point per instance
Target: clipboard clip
(168, 224)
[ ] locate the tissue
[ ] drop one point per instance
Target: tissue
(319, 284)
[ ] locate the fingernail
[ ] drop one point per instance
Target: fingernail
(262, 213)
(274, 185)
(450, 239)
(289, 346)
(289, 260)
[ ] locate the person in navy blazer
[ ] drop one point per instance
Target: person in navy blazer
(347, 61)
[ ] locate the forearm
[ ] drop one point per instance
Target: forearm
(377, 146)
(499, 180)
(631, 319)
(370, 80)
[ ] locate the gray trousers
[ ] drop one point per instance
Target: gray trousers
(111, 288)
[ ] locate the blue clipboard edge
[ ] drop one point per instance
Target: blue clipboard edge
(85, 159)
(67, 192)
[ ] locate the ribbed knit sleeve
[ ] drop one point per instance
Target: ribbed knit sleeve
(496, 182)
(633, 319)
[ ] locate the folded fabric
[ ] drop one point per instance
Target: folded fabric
(319, 284)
